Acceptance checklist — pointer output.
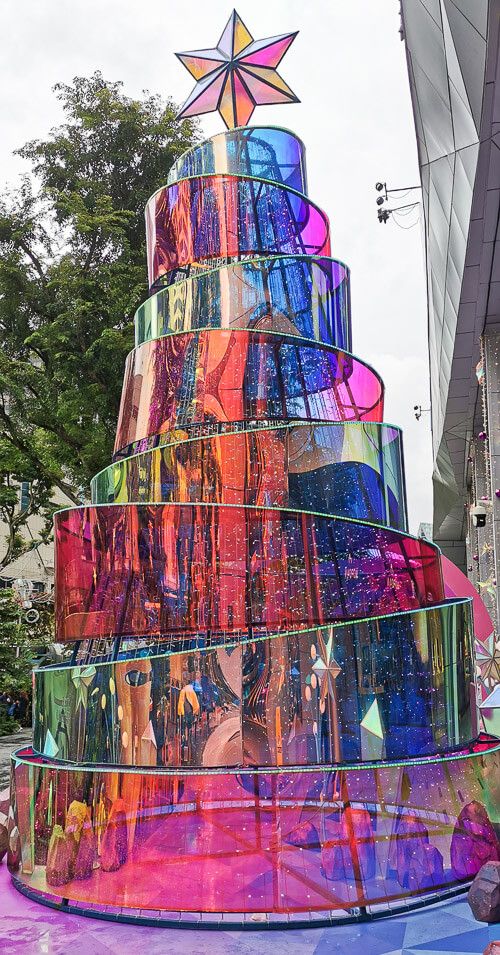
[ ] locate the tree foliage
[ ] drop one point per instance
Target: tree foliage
(72, 273)
(15, 468)
(19, 644)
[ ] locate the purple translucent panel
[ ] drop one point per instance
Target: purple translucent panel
(229, 376)
(298, 295)
(264, 86)
(352, 470)
(262, 841)
(262, 152)
(198, 220)
(207, 94)
(153, 569)
(296, 699)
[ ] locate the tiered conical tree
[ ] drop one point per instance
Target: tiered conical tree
(270, 706)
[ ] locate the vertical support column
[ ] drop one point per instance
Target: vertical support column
(481, 538)
(492, 401)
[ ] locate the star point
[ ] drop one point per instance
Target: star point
(237, 75)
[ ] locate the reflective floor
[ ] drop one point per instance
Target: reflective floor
(27, 928)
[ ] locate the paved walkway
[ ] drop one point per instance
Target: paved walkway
(7, 745)
(27, 928)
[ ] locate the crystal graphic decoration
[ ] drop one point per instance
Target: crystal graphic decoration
(371, 721)
(238, 75)
(50, 748)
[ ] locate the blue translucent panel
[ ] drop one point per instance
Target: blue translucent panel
(303, 296)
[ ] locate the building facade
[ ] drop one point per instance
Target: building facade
(453, 66)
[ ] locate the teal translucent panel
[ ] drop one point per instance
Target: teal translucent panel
(354, 471)
(397, 687)
(303, 296)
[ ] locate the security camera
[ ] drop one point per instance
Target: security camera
(478, 514)
(379, 186)
(380, 201)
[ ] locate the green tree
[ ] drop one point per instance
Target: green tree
(14, 514)
(19, 644)
(72, 273)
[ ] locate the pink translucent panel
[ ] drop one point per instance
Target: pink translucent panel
(235, 105)
(263, 92)
(270, 53)
(207, 217)
(231, 376)
(200, 66)
(456, 583)
(242, 841)
(243, 100)
(154, 569)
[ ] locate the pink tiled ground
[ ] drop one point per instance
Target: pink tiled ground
(27, 928)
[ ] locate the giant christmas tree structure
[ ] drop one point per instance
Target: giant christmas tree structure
(270, 706)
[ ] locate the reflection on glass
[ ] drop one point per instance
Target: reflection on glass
(230, 376)
(328, 839)
(148, 569)
(353, 471)
(256, 639)
(268, 153)
(296, 699)
(298, 295)
(197, 220)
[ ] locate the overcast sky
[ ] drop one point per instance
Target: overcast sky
(348, 68)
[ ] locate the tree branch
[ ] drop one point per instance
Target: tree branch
(34, 258)
(93, 245)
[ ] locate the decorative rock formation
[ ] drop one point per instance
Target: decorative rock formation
(356, 832)
(114, 841)
(75, 821)
(58, 858)
(305, 835)
(426, 868)
(86, 851)
(411, 840)
(4, 838)
(350, 854)
(474, 841)
(484, 894)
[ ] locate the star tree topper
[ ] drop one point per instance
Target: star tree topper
(238, 75)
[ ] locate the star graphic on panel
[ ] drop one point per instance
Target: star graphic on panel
(238, 75)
